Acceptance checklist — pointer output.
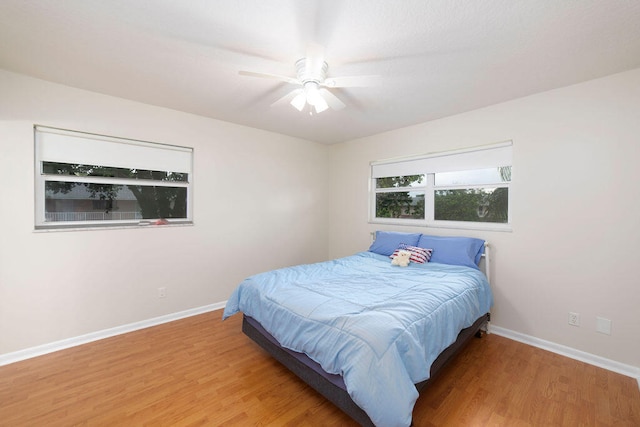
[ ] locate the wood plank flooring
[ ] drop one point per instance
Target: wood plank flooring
(202, 371)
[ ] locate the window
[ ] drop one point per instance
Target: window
(400, 197)
(460, 189)
(93, 180)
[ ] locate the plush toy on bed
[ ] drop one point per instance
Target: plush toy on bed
(401, 258)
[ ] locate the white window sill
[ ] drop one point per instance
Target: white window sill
(92, 227)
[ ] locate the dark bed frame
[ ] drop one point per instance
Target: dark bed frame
(332, 386)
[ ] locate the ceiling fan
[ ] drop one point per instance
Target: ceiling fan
(313, 84)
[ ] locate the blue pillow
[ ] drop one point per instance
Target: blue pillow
(388, 241)
(453, 250)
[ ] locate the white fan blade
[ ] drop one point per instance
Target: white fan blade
(270, 76)
(287, 98)
(333, 101)
(353, 81)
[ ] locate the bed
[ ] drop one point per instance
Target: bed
(367, 334)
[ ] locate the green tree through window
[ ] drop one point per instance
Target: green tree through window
(400, 204)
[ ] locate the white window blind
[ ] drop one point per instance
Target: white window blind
(480, 157)
(63, 146)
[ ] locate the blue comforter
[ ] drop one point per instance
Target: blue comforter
(379, 326)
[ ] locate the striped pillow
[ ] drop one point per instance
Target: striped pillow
(419, 255)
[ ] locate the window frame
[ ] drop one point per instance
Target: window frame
(430, 188)
(41, 178)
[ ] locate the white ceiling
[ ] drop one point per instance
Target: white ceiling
(437, 58)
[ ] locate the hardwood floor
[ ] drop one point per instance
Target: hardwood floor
(202, 371)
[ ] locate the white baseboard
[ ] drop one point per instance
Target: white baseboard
(39, 350)
(592, 359)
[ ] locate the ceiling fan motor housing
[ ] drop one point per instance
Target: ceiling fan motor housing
(306, 74)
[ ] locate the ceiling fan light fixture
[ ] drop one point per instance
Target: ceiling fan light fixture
(313, 96)
(311, 92)
(321, 105)
(299, 101)
(310, 95)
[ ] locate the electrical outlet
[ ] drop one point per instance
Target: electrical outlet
(162, 292)
(603, 325)
(574, 319)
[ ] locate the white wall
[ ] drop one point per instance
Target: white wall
(575, 244)
(261, 198)
(259, 203)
